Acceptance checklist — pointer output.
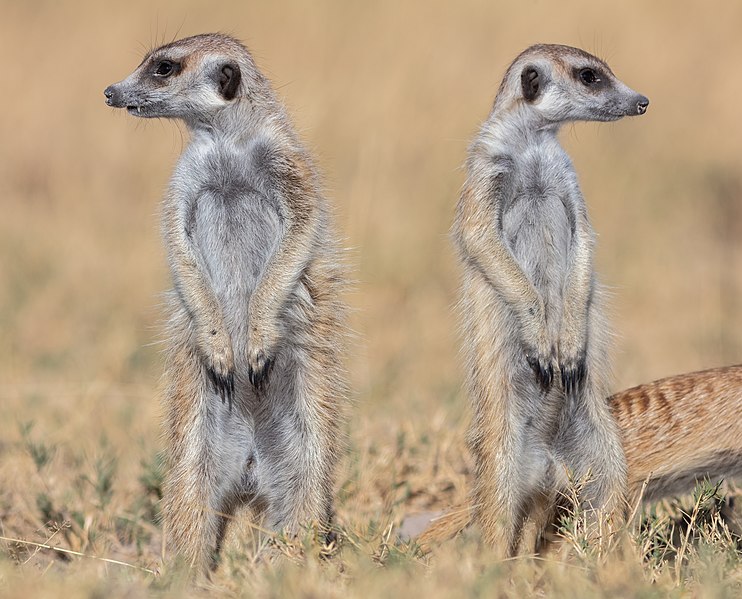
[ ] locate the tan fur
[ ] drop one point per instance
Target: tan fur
(675, 431)
(681, 429)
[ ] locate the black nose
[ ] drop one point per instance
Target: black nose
(641, 105)
(108, 93)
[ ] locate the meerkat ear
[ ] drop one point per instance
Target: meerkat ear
(531, 80)
(228, 79)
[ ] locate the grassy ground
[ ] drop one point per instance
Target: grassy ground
(388, 95)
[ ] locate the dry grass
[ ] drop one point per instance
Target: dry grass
(388, 94)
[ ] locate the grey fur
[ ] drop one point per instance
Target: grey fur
(256, 388)
(535, 337)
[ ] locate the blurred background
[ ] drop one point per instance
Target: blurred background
(387, 94)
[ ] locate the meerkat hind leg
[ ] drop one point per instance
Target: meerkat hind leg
(211, 465)
(295, 434)
(518, 501)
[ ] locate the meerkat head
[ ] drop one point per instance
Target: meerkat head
(189, 79)
(561, 84)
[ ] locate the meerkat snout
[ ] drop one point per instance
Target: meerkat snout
(117, 98)
(108, 93)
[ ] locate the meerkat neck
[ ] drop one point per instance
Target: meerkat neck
(517, 117)
(510, 127)
(243, 120)
(229, 120)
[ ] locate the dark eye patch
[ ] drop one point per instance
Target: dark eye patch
(166, 68)
(589, 77)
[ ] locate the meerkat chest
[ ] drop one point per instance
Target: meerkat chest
(233, 222)
(537, 218)
(543, 172)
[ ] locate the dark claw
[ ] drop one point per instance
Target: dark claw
(330, 542)
(573, 377)
(259, 375)
(223, 385)
(544, 372)
(331, 538)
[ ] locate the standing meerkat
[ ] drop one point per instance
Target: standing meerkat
(675, 432)
(535, 338)
(255, 383)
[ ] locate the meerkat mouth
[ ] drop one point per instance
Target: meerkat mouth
(141, 110)
(147, 110)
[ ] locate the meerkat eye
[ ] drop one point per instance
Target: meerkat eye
(589, 77)
(165, 68)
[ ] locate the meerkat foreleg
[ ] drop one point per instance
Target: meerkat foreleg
(573, 337)
(483, 245)
(191, 284)
(288, 183)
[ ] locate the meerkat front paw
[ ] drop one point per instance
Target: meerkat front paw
(542, 366)
(539, 351)
(259, 358)
(216, 348)
(540, 356)
(572, 366)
